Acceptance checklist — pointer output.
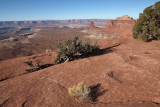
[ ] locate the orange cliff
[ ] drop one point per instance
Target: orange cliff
(122, 25)
(124, 22)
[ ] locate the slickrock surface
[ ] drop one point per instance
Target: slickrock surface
(127, 73)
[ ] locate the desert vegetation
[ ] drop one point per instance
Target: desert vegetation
(73, 49)
(81, 91)
(147, 27)
(35, 67)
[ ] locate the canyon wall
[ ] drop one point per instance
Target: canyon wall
(124, 22)
(122, 26)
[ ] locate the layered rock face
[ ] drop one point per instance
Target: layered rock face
(122, 26)
(125, 17)
(124, 22)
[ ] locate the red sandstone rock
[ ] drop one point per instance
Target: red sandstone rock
(124, 22)
(121, 26)
(125, 17)
(128, 78)
(91, 25)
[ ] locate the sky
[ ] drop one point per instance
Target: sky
(20, 10)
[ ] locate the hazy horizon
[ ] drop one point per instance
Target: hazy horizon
(55, 19)
(29, 10)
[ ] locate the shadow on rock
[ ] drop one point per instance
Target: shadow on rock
(97, 52)
(95, 91)
(38, 67)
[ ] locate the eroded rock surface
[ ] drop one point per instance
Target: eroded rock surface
(124, 22)
(127, 77)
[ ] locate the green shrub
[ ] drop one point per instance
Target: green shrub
(30, 70)
(29, 63)
(72, 49)
(147, 27)
(34, 67)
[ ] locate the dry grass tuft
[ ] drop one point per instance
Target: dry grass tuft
(81, 91)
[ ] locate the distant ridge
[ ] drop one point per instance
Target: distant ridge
(53, 22)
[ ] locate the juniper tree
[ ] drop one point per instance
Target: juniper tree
(147, 27)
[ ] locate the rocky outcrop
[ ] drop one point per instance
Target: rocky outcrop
(122, 26)
(92, 26)
(124, 22)
(125, 17)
